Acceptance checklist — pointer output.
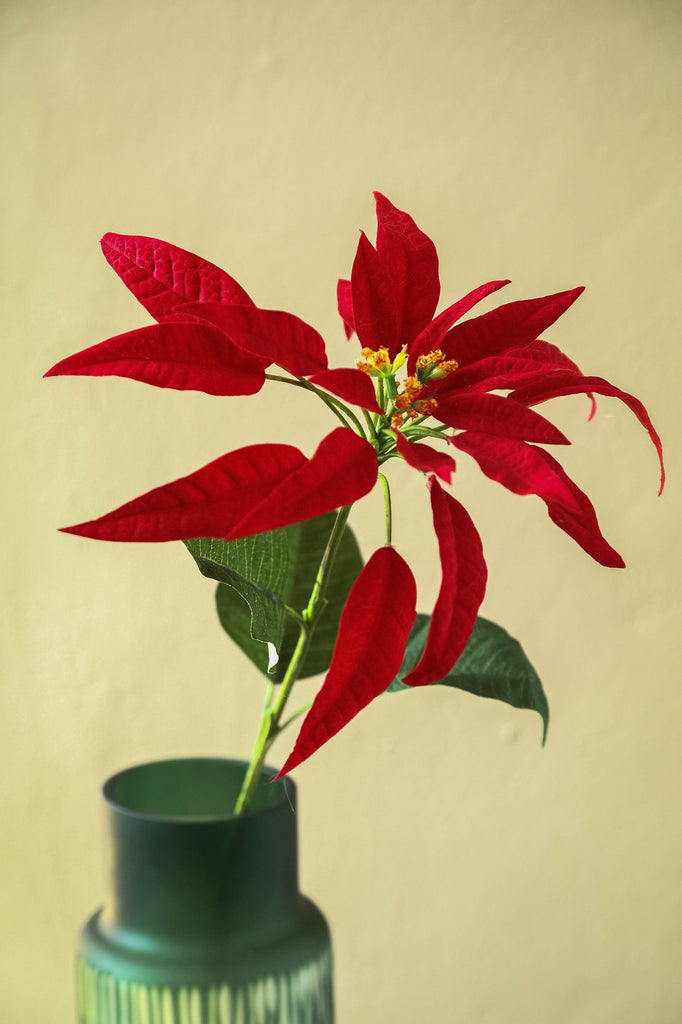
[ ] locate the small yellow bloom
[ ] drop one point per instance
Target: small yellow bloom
(412, 388)
(375, 363)
(400, 358)
(434, 365)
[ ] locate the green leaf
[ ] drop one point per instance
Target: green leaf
(259, 568)
(253, 593)
(493, 664)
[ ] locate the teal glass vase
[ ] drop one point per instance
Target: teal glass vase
(204, 922)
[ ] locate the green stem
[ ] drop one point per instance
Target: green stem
(336, 406)
(272, 713)
(388, 518)
(419, 431)
(371, 426)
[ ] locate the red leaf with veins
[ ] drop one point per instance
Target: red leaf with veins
(352, 386)
(374, 627)
(425, 458)
(497, 373)
(493, 414)
(161, 276)
(545, 352)
(207, 503)
(494, 373)
(186, 357)
(271, 334)
(411, 260)
(554, 385)
(374, 312)
(343, 468)
(524, 469)
(430, 338)
(344, 300)
(508, 326)
(461, 592)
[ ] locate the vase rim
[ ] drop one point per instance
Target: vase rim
(109, 791)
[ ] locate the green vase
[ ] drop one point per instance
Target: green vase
(204, 922)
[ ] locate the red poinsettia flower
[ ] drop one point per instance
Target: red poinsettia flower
(421, 378)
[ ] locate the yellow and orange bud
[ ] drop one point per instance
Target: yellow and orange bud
(412, 388)
(375, 363)
(434, 365)
(443, 369)
(429, 358)
(425, 407)
(400, 358)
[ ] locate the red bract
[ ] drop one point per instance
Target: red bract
(422, 378)
(186, 357)
(162, 276)
(461, 591)
(373, 631)
(261, 487)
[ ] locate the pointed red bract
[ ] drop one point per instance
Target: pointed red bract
(411, 260)
(162, 276)
(492, 414)
(375, 624)
(557, 384)
(186, 357)
(525, 469)
(508, 326)
(461, 592)
(270, 334)
(425, 458)
(343, 468)
(375, 317)
(352, 386)
(431, 337)
(344, 299)
(493, 373)
(207, 503)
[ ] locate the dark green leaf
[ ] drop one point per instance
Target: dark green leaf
(492, 664)
(306, 543)
(260, 569)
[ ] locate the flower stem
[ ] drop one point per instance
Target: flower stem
(274, 705)
(332, 403)
(388, 518)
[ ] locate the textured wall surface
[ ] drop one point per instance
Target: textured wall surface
(469, 875)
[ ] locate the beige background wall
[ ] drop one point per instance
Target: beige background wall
(469, 875)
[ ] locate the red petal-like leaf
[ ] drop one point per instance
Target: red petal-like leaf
(494, 373)
(344, 299)
(493, 414)
(425, 458)
(412, 263)
(343, 469)
(374, 311)
(554, 385)
(431, 337)
(545, 352)
(272, 334)
(374, 627)
(207, 503)
(187, 357)
(508, 326)
(524, 469)
(461, 592)
(352, 386)
(161, 275)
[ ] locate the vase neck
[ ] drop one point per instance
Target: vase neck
(183, 866)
